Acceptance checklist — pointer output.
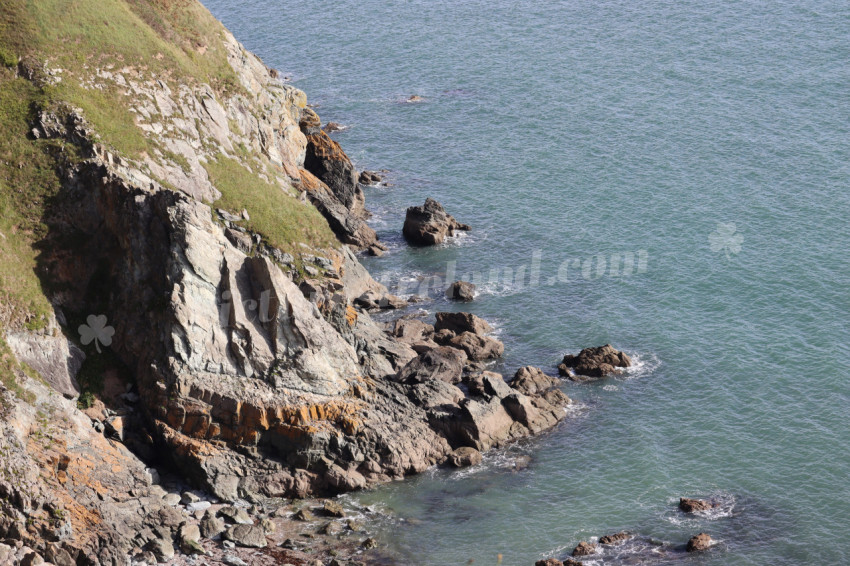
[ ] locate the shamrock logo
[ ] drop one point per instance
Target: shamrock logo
(97, 331)
(726, 239)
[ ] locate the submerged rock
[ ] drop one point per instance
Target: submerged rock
(594, 362)
(429, 224)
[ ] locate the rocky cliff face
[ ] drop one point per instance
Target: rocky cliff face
(234, 353)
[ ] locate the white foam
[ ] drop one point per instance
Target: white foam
(642, 365)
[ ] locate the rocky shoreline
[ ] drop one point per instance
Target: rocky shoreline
(216, 346)
(210, 372)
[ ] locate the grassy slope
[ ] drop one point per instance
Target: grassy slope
(175, 40)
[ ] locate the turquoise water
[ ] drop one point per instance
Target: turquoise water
(571, 131)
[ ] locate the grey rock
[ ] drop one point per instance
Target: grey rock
(246, 535)
(211, 526)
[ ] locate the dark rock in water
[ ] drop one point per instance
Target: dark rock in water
(532, 381)
(699, 543)
(332, 528)
(549, 562)
(584, 549)
(478, 348)
(369, 543)
(303, 515)
(571, 562)
(689, 505)
(415, 98)
(460, 322)
(246, 535)
(461, 291)
(594, 362)
(333, 509)
(376, 251)
(334, 127)
(615, 538)
(442, 363)
(429, 224)
(464, 456)
(370, 178)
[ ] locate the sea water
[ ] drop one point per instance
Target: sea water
(676, 174)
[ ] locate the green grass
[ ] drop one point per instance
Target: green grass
(28, 180)
(174, 40)
(279, 217)
(10, 369)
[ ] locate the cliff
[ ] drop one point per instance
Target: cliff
(178, 288)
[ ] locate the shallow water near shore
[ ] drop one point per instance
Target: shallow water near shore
(671, 178)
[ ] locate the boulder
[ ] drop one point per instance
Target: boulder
(532, 381)
(162, 549)
(616, 538)
(689, 505)
(461, 291)
(460, 322)
(594, 362)
(584, 549)
(699, 542)
(303, 515)
(464, 456)
(412, 330)
(442, 363)
(429, 224)
(235, 515)
(549, 562)
(211, 526)
(478, 348)
(249, 536)
(332, 509)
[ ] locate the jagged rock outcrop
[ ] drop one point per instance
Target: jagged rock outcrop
(429, 224)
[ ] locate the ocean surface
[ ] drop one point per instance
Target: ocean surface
(669, 177)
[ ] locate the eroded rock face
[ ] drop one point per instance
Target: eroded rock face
(594, 363)
(326, 160)
(429, 224)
